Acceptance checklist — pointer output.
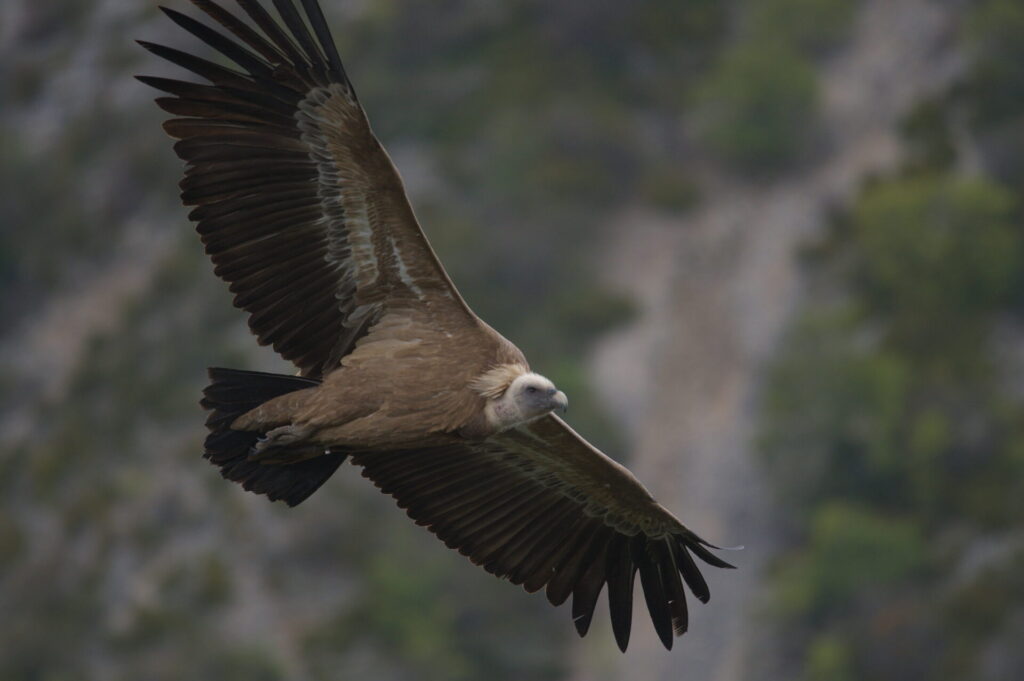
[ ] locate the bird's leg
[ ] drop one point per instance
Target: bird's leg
(285, 444)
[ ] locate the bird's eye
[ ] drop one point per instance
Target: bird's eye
(531, 389)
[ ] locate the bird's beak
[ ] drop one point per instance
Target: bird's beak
(561, 401)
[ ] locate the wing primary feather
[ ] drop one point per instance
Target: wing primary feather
(654, 589)
(697, 545)
(588, 586)
(241, 30)
(621, 573)
(691, 573)
(217, 103)
(673, 584)
(219, 75)
(247, 60)
(323, 34)
(201, 67)
(191, 128)
(266, 94)
(248, 93)
(233, 111)
(262, 18)
(185, 89)
(566, 572)
(294, 22)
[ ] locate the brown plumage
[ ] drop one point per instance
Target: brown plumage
(305, 217)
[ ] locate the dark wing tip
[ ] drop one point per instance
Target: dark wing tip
(697, 546)
(655, 592)
(589, 584)
(582, 623)
(323, 33)
(621, 571)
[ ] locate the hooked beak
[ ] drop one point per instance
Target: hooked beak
(560, 401)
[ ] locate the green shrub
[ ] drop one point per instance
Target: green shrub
(850, 551)
(808, 25)
(937, 257)
(759, 106)
(927, 137)
(993, 90)
(996, 44)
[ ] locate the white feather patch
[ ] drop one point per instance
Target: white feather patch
(403, 270)
(493, 382)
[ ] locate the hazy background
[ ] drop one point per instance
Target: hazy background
(772, 249)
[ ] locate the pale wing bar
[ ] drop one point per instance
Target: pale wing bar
(522, 523)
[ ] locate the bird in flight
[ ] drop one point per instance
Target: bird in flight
(304, 215)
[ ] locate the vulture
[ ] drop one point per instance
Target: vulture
(304, 216)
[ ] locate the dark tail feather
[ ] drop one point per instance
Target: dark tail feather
(233, 392)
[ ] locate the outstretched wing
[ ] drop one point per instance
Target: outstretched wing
(543, 508)
(297, 202)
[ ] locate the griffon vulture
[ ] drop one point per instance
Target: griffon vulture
(305, 217)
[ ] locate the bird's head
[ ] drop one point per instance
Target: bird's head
(535, 396)
(516, 396)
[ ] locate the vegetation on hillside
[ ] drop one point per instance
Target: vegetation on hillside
(759, 104)
(893, 421)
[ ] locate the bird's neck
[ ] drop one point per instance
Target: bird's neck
(503, 414)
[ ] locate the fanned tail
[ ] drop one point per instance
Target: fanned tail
(233, 392)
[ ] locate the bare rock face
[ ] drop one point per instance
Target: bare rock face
(716, 290)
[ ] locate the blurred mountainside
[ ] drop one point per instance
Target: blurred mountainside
(770, 248)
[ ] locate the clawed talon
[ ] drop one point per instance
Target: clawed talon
(279, 445)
